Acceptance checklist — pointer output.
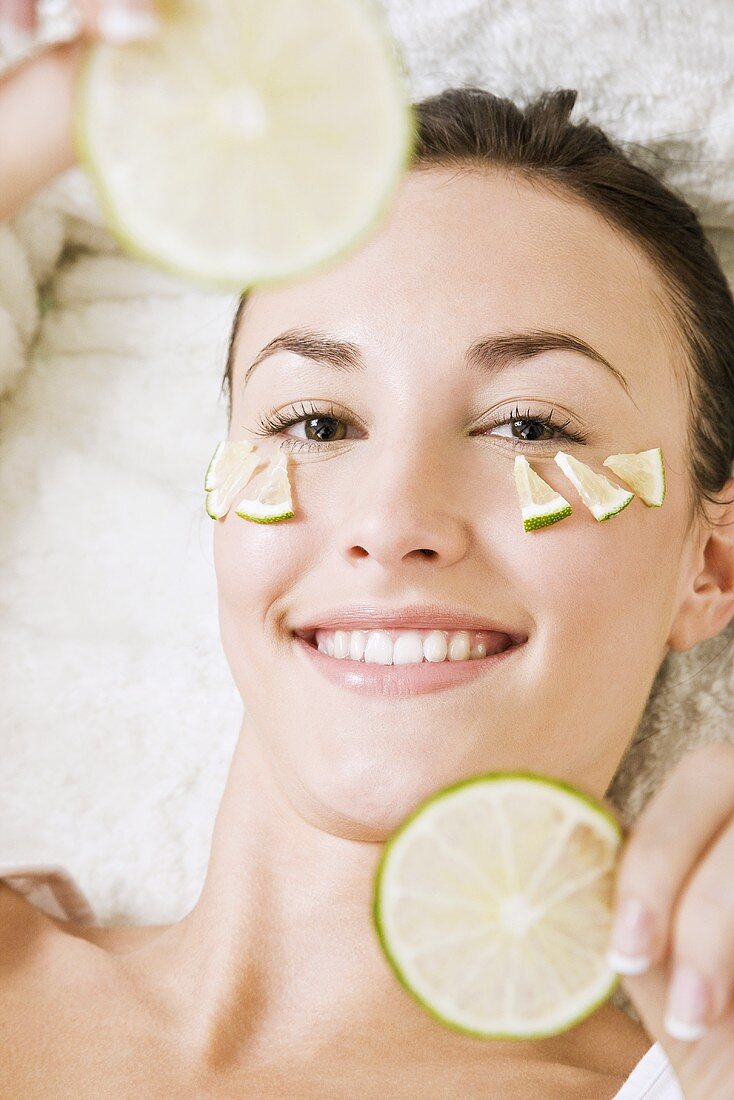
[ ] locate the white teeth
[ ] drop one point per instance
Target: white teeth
(378, 650)
(460, 646)
(435, 646)
(407, 647)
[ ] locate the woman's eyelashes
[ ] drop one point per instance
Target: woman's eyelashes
(536, 428)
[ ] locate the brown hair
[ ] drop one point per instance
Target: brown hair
(470, 128)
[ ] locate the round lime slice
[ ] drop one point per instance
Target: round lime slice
(493, 903)
(644, 472)
(541, 504)
(601, 497)
(248, 141)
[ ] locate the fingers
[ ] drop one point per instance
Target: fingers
(116, 21)
(18, 23)
(675, 827)
(36, 102)
(20, 14)
(703, 943)
(675, 883)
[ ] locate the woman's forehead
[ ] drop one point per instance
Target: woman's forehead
(465, 254)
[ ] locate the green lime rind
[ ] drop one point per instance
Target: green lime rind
(664, 485)
(383, 204)
(208, 477)
(486, 777)
(266, 519)
(537, 522)
(208, 501)
(616, 511)
(659, 503)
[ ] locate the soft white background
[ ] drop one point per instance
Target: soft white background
(117, 713)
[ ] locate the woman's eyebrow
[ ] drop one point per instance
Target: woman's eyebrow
(493, 353)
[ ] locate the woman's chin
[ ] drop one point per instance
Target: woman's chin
(365, 795)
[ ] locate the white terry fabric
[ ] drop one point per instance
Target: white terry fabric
(118, 710)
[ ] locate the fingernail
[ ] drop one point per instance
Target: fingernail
(120, 24)
(689, 1003)
(632, 938)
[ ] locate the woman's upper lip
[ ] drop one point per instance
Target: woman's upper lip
(411, 617)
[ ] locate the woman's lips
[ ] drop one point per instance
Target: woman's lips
(400, 680)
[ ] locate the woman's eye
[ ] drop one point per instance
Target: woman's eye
(314, 429)
(520, 430)
(305, 428)
(527, 430)
(322, 429)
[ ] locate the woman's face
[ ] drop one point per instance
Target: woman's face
(417, 466)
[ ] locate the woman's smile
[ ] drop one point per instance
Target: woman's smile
(409, 647)
(370, 674)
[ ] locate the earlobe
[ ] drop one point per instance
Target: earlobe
(708, 608)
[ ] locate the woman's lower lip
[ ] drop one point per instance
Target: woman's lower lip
(400, 680)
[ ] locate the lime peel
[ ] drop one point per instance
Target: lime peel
(494, 845)
(272, 502)
(643, 472)
(230, 468)
(601, 497)
(541, 504)
(159, 127)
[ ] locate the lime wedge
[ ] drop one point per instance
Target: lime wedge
(601, 497)
(248, 141)
(231, 467)
(541, 504)
(272, 502)
(644, 472)
(493, 903)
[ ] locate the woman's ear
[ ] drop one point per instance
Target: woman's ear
(708, 606)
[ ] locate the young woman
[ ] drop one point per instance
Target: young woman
(531, 290)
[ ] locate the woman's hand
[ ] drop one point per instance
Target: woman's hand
(36, 94)
(678, 865)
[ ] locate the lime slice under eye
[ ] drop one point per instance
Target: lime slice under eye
(541, 504)
(644, 472)
(601, 497)
(493, 903)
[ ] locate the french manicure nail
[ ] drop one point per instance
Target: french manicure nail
(632, 937)
(120, 24)
(688, 1005)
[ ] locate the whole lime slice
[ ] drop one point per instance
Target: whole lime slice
(249, 140)
(493, 903)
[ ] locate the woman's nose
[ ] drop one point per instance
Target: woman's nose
(406, 507)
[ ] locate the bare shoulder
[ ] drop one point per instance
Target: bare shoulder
(67, 1013)
(34, 971)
